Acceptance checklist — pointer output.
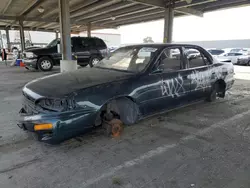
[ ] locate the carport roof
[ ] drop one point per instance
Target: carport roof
(100, 13)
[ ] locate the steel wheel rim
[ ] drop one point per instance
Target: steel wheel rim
(95, 61)
(45, 64)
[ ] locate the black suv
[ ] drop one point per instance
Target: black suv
(86, 50)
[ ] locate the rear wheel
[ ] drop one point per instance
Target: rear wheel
(218, 90)
(248, 63)
(94, 60)
(212, 96)
(45, 64)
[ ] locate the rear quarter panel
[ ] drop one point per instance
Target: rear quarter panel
(224, 71)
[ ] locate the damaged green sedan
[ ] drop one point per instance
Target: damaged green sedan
(135, 82)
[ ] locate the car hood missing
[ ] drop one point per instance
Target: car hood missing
(61, 84)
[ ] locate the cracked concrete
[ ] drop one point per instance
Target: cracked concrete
(203, 145)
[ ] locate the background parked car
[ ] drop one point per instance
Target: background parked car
(243, 60)
(86, 50)
(192, 54)
(215, 52)
(233, 57)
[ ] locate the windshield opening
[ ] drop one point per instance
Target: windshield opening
(131, 59)
(54, 43)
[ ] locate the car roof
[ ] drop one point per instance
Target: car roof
(160, 45)
(85, 38)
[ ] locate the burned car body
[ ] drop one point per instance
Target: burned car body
(135, 82)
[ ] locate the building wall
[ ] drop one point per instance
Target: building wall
(109, 38)
(245, 43)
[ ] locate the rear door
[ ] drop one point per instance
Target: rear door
(101, 47)
(200, 73)
(81, 50)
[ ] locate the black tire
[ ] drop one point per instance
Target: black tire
(213, 93)
(45, 64)
(84, 65)
(94, 60)
(248, 63)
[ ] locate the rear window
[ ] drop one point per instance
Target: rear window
(100, 43)
(88, 42)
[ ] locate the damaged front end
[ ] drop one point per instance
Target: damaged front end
(53, 120)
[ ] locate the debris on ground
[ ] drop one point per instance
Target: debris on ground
(116, 181)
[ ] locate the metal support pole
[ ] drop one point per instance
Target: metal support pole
(65, 29)
(66, 64)
(1, 40)
(8, 39)
(89, 30)
(168, 24)
(56, 35)
(22, 39)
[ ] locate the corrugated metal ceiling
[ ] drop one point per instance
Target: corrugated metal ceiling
(100, 13)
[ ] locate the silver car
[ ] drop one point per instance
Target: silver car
(231, 56)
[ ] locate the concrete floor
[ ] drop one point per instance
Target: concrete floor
(205, 145)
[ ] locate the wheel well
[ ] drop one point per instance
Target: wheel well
(220, 86)
(114, 103)
(41, 56)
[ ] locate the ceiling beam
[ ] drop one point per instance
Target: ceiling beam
(81, 5)
(31, 7)
(223, 4)
(46, 25)
(189, 11)
(193, 3)
(119, 13)
(139, 20)
(93, 7)
(133, 16)
(2, 27)
(162, 4)
(7, 6)
(156, 3)
(110, 9)
(31, 19)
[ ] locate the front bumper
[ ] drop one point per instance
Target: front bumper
(30, 62)
(65, 125)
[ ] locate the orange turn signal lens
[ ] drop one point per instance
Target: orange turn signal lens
(41, 127)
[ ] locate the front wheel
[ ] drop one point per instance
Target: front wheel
(248, 63)
(94, 60)
(45, 64)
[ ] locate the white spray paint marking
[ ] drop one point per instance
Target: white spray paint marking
(203, 79)
(160, 150)
(172, 86)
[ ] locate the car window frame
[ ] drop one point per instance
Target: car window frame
(202, 51)
(162, 51)
(99, 43)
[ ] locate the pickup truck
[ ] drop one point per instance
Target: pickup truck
(137, 81)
